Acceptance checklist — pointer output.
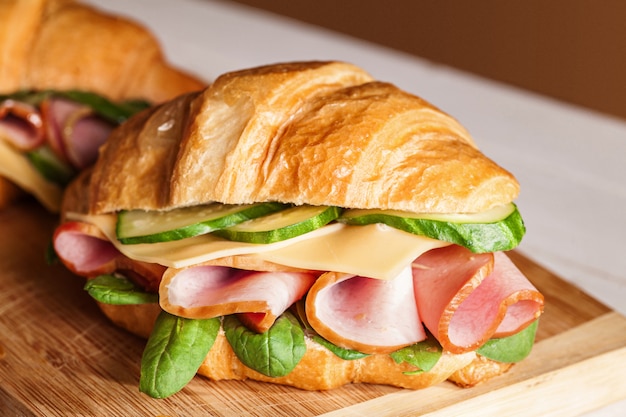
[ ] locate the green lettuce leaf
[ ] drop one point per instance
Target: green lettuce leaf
(112, 289)
(174, 352)
(115, 112)
(423, 355)
(50, 165)
(50, 255)
(273, 353)
(511, 349)
(345, 354)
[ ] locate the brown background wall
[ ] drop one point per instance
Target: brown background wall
(572, 50)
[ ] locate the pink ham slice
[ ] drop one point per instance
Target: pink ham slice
(465, 298)
(21, 125)
(72, 130)
(365, 314)
(85, 251)
(75, 133)
(212, 291)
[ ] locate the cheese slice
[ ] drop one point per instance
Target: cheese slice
(190, 251)
(17, 168)
(375, 251)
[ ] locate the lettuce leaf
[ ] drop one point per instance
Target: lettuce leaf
(273, 353)
(112, 289)
(115, 112)
(510, 349)
(423, 355)
(174, 352)
(345, 354)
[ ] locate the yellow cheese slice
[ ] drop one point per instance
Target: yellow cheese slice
(15, 167)
(186, 252)
(375, 251)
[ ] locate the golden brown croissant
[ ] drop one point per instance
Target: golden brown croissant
(265, 125)
(308, 134)
(319, 369)
(64, 45)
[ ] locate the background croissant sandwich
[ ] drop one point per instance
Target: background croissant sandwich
(68, 75)
(306, 225)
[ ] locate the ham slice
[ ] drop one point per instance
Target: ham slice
(72, 130)
(75, 133)
(85, 251)
(462, 298)
(465, 298)
(365, 314)
(21, 125)
(211, 291)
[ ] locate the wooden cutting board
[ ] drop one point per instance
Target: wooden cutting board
(60, 357)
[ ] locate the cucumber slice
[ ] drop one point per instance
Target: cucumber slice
(499, 229)
(50, 166)
(138, 226)
(283, 225)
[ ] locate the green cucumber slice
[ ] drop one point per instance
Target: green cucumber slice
(499, 229)
(139, 226)
(283, 225)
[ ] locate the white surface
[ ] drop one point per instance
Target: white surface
(571, 163)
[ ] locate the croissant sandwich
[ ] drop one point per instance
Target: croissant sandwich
(69, 74)
(303, 224)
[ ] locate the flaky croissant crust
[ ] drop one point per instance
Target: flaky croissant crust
(62, 44)
(65, 45)
(319, 369)
(320, 133)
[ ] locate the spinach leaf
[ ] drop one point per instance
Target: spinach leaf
(273, 353)
(50, 166)
(511, 349)
(111, 289)
(50, 255)
(424, 355)
(34, 98)
(345, 354)
(114, 112)
(174, 352)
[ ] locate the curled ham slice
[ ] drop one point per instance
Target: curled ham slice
(21, 125)
(211, 291)
(465, 298)
(366, 314)
(85, 251)
(74, 132)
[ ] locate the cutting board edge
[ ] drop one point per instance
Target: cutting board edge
(524, 379)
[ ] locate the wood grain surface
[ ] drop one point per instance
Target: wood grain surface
(60, 357)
